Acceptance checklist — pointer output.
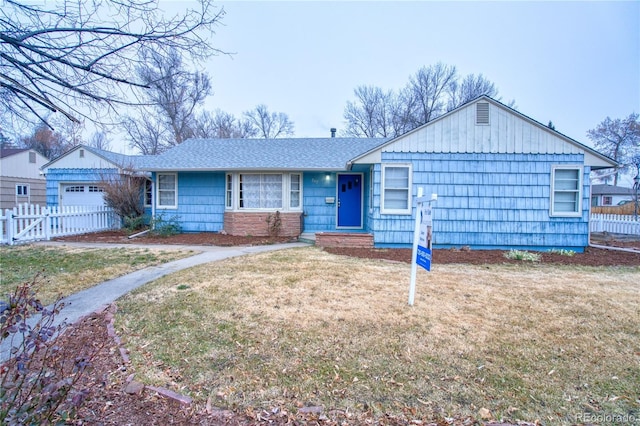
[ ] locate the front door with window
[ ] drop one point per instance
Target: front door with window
(350, 192)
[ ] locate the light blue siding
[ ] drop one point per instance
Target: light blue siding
(318, 214)
(486, 201)
(201, 200)
(57, 176)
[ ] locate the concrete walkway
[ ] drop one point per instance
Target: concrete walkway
(87, 301)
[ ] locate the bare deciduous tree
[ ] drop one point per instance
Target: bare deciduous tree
(430, 92)
(469, 88)
(369, 115)
(620, 140)
(168, 114)
(428, 87)
(123, 193)
(100, 140)
(45, 141)
(223, 125)
(270, 125)
(145, 134)
(78, 57)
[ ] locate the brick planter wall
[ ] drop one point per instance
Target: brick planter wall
(255, 224)
(339, 239)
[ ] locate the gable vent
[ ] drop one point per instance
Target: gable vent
(482, 113)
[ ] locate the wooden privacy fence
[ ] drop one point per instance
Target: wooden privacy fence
(29, 222)
(615, 224)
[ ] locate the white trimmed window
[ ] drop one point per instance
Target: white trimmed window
(148, 193)
(260, 191)
(566, 191)
(229, 192)
(22, 190)
(295, 189)
(167, 190)
(396, 189)
(263, 191)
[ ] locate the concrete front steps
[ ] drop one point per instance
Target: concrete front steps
(338, 239)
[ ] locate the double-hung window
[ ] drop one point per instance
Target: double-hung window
(396, 189)
(566, 191)
(229, 192)
(148, 193)
(167, 190)
(295, 186)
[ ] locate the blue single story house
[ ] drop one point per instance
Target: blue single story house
(503, 181)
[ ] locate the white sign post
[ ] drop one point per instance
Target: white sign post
(422, 236)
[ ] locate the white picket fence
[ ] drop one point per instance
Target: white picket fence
(615, 224)
(29, 222)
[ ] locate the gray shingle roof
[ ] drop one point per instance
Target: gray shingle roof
(122, 160)
(610, 190)
(262, 154)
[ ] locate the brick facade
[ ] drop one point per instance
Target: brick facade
(255, 223)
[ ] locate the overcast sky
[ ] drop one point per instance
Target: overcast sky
(573, 63)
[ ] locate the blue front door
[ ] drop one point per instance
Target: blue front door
(350, 201)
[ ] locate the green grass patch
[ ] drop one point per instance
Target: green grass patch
(67, 270)
(523, 255)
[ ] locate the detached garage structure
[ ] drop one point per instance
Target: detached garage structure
(75, 178)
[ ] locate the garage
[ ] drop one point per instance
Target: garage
(77, 194)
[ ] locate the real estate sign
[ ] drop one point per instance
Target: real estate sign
(423, 256)
(422, 234)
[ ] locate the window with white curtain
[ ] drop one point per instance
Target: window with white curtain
(260, 191)
(396, 189)
(566, 191)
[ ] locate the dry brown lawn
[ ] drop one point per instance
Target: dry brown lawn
(304, 327)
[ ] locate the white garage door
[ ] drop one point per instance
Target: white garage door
(82, 195)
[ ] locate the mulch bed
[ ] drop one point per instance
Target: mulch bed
(591, 257)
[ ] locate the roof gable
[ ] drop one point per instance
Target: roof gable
(502, 130)
(262, 154)
(86, 157)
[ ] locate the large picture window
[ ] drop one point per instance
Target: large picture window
(396, 189)
(566, 191)
(167, 190)
(260, 191)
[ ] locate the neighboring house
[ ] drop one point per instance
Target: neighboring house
(20, 178)
(503, 181)
(76, 177)
(609, 195)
